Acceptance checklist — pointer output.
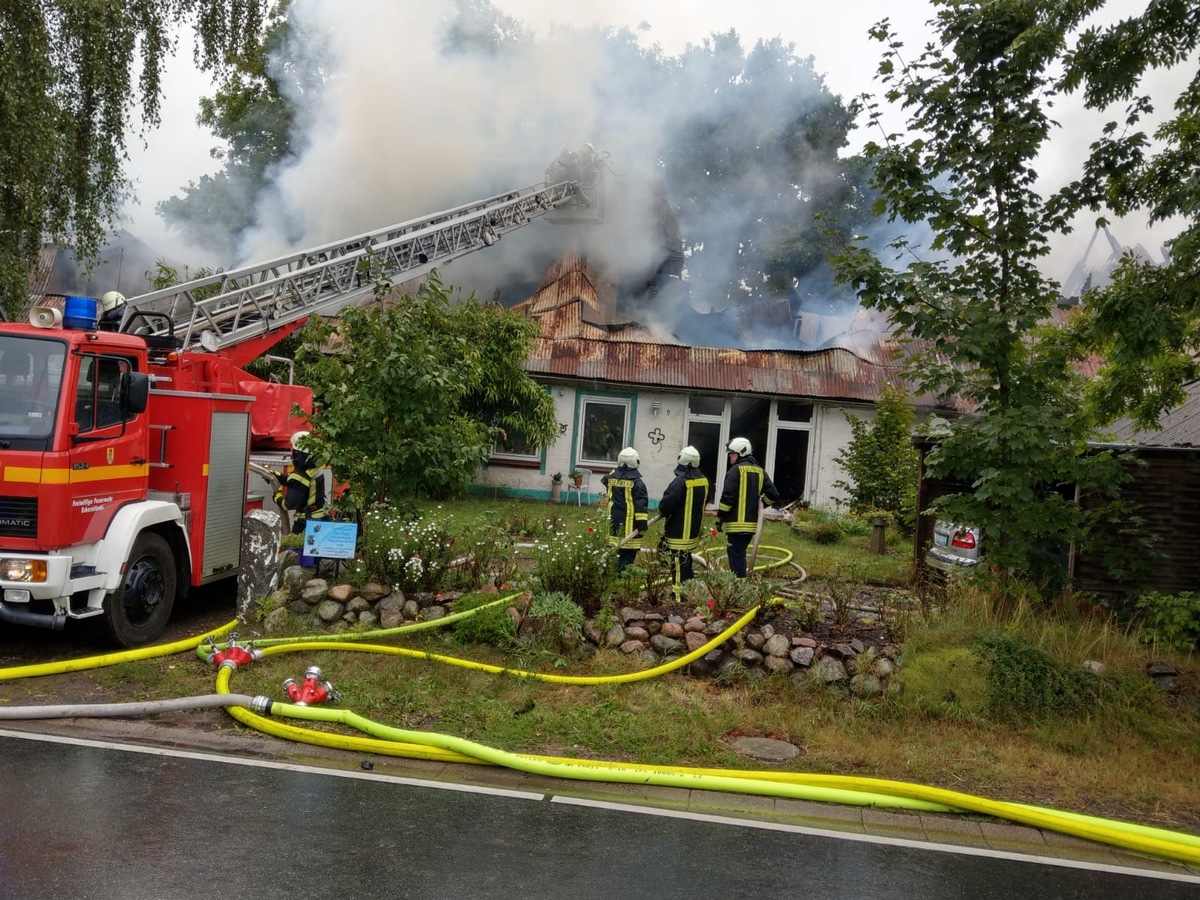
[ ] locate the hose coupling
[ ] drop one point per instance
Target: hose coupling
(311, 690)
(234, 654)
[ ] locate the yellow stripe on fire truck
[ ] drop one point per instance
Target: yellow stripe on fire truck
(35, 475)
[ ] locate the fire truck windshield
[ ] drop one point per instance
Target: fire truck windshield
(31, 371)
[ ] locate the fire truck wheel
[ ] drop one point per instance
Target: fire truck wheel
(138, 612)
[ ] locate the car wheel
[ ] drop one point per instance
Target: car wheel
(137, 613)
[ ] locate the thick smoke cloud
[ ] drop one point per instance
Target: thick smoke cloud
(406, 127)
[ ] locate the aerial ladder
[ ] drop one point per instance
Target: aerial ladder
(229, 309)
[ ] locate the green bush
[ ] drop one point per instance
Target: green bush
(826, 533)
(554, 624)
(719, 594)
(820, 528)
(880, 460)
(1171, 619)
(491, 626)
(1027, 683)
(581, 565)
(486, 556)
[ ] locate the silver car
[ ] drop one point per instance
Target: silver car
(955, 548)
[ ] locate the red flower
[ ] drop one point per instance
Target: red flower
(712, 604)
(714, 533)
(590, 530)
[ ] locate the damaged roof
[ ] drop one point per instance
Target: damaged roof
(582, 338)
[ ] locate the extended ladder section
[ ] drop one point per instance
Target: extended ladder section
(229, 307)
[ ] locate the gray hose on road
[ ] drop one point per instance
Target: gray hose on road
(134, 710)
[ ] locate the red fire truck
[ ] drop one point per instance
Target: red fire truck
(124, 453)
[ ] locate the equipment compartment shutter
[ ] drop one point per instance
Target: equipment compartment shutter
(227, 454)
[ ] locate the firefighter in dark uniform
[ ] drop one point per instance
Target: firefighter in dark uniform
(112, 306)
(628, 504)
(746, 483)
(304, 490)
(682, 509)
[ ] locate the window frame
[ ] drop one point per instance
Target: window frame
(627, 403)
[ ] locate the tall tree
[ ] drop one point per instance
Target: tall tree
(1146, 325)
(262, 108)
(67, 88)
(752, 158)
(750, 149)
(256, 112)
(974, 301)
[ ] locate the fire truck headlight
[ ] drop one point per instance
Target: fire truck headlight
(32, 571)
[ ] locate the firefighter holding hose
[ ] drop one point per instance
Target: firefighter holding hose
(303, 493)
(682, 509)
(747, 486)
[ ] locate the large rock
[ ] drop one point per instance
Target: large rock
(829, 670)
(259, 574)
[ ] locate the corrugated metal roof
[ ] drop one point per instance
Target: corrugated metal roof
(832, 374)
(1178, 428)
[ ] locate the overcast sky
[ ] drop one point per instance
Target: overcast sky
(834, 35)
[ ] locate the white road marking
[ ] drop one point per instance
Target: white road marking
(878, 839)
(603, 804)
(268, 764)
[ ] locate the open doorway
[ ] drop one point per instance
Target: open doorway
(778, 431)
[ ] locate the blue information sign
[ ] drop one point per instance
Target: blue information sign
(330, 540)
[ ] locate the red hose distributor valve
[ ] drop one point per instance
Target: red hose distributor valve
(234, 654)
(311, 690)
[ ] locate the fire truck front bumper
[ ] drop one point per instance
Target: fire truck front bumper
(35, 580)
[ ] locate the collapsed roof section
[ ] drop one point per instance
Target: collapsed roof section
(582, 338)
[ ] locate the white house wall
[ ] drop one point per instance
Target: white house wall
(659, 423)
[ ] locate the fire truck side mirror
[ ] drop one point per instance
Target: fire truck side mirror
(135, 392)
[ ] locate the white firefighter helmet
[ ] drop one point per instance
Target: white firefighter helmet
(110, 300)
(689, 456)
(298, 440)
(740, 446)
(628, 457)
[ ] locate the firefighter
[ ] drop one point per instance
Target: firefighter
(682, 509)
(746, 484)
(303, 493)
(112, 306)
(628, 505)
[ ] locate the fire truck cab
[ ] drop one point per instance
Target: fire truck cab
(114, 499)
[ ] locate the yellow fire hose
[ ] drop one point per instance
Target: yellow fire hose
(390, 741)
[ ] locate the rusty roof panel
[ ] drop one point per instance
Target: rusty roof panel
(833, 374)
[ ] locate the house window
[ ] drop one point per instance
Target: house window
(791, 411)
(604, 431)
(706, 406)
(515, 447)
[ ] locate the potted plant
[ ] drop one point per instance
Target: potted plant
(555, 487)
(576, 476)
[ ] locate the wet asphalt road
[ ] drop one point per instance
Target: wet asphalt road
(112, 822)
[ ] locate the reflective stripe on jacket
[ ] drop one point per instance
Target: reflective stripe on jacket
(305, 494)
(745, 484)
(628, 504)
(682, 508)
